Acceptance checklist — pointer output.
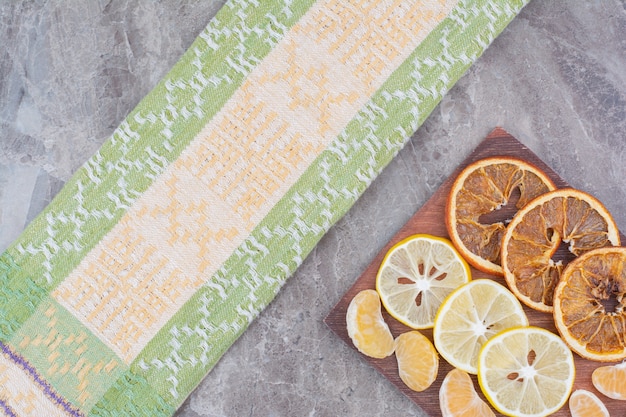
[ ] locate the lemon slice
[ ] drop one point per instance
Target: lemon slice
(526, 372)
(471, 315)
(416, 275)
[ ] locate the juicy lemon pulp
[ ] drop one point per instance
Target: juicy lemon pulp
(471, 315)
(416, 275)
(526, 372)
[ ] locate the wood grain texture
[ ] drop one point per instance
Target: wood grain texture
(430, 219)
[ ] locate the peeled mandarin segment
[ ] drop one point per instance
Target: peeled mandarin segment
(565, 216)
(418, 362)
(416, 275)
(458, 398)
(366, 326)
(484, 187)
(589, 304)
(609, 380)
(526, 372)
(471, 315)
(583, 403)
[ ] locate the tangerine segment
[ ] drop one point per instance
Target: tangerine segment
(526, 372)
(458, 398)
(366, 326)
(563, 216)
(589, 304)
(418, 362)
(416, 275)
(583, 403)
(481, 188)
(471, 315)
(609, 380)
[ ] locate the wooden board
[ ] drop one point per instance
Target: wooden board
(430, 219)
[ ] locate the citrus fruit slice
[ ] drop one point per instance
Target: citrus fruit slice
(416, 275)
(490, 186)
(366, 326)
(458, 398)
(418, 362)
(609, 380)
(534, 236)
(526, 371)
(583, 403)
(470, 315)
(589, 304)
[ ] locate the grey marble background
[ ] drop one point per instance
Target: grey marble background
(71, 70)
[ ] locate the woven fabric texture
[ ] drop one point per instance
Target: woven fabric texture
(159, 252)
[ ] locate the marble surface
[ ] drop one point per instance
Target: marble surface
(71, 70)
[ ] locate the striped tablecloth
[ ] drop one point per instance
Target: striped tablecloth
(159, 252)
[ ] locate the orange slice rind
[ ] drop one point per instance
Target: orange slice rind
(484, 187)
(565, 216)
(589, 304)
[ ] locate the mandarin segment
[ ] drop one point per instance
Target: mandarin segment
(609, 380)
(583, 403)
(589, 304)
(418, 361)
(458, 398)
(366, 327)
(484, 187)
(566, 216)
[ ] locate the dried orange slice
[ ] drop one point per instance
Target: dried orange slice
(526, 372)
(458, 398)
(534, 236)
(487, 186)
(609, 380)
(416, 275)
(589, 304)
(583, 403)
(366, 326)
(418, 362)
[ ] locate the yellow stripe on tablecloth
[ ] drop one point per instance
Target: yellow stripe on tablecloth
(287, 111)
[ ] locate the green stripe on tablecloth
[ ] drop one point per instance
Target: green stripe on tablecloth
(67, 355)
(197, 336)
(139, 399)
(101, 191)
